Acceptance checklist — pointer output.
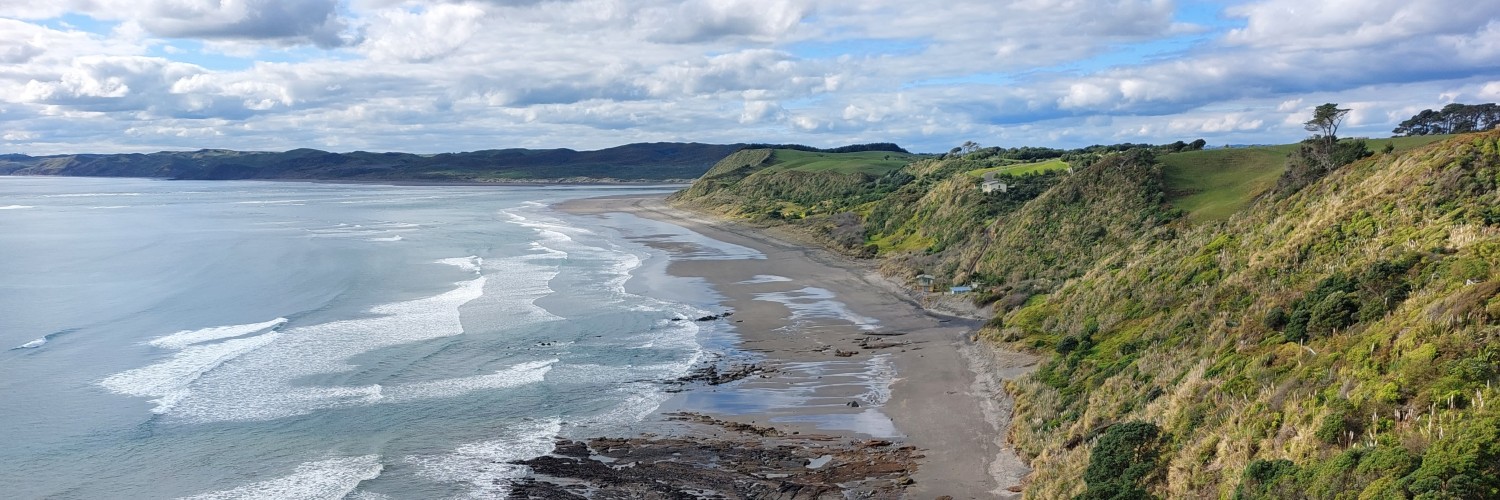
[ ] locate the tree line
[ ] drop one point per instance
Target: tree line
(1454, 118)
(889, 147)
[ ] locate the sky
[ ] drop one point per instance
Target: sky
(429, 76)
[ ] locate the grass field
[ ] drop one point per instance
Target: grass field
(867, 162)
(1213, 184)
(1022, 168)
(1405, 143)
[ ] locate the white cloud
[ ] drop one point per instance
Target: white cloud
(443, 75)
(709, 20)
(1345, 24)
(761, 111)
(1490, 90)
(400, 35)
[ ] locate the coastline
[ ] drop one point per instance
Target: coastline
(842, 352)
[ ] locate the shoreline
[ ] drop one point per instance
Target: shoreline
(640, 183)
(846, 354)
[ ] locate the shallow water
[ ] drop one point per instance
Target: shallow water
(295, 340)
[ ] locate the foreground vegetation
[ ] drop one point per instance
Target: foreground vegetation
(1236, 323)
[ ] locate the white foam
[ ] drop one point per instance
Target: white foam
(702, 247)
(526, 281)
(33, 344)
(813, 302)
(16, 207)
(484, 467)
(522, 374)
(389, 238)
(185, 338)
(764, 278)
(879, 375)
(261, 384)
(640, 401)
(109, 207)
(471, 263)
(168, 381)
(264, 377)
(271, 202)
(330, 479)
(87, 195)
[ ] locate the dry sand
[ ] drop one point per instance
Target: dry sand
(945, 394)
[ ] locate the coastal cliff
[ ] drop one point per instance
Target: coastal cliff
(1208, 330)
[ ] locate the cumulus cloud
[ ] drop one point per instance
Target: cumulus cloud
(401, 35)
(1344, 24)
(278, 21)
(441, 75)
(708, 20)
(108, 83)
(287, 21)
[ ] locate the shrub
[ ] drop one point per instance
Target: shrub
(1335, 425)
(1276, 319)
(1465, 464)
(1123, 461)
(1267, 479)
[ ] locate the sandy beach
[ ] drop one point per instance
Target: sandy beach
(842, 353)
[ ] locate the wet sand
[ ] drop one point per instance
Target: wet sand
(843, 357)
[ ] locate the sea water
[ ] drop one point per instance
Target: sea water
(184, 339)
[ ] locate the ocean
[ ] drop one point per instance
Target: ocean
(240, 339)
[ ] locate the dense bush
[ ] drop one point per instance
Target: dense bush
(1123, 461)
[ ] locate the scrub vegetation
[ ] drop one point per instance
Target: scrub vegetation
(1315, 320)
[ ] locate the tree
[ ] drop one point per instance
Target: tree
(1326, 119)
(1454, 118)
(1320, 154)
(1325, 125)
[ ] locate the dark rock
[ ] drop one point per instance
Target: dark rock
(712, 375)
(758, 462)
(574, 449)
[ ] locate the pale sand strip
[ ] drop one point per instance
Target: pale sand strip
(947, 398)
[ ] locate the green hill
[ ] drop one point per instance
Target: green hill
(1210, 185)
(1337, 341)
(865, 162)
(779, 183)
(636, 162)
(1019, 168)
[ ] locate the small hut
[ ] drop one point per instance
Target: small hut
(991, 184)
(924, 282)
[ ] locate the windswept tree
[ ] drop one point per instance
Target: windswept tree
(1326, 120)
(1454, 118)
(1321, 153)
(1325, 127)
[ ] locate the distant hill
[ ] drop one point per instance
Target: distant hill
(663, 161)
(641, 162)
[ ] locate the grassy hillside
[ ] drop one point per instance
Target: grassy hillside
(867, 162)
(1210, 185)
(1213, 184)
(1022, 168)
(783, 183)
(1338, 341)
